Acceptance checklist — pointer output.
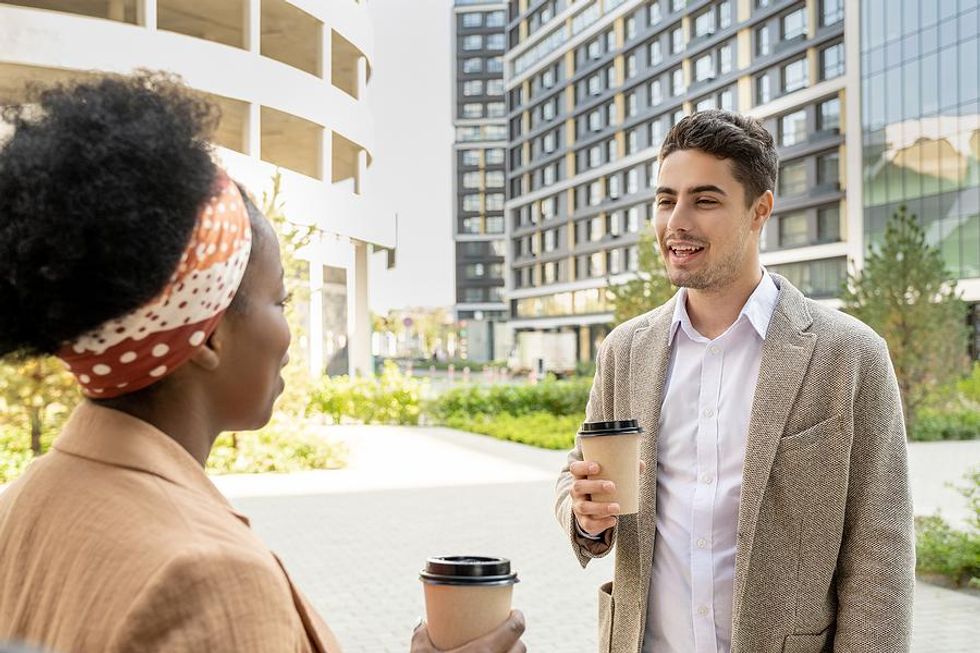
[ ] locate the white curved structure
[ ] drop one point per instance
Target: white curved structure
(291, 78)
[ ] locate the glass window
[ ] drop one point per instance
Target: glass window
(495, 223)
(470, 225)
(704, 23)
(794, 76)
(495, 156)
(472, 19)
(595, 85)
(763, 46)
(631, 106)
(495, 42)
(832, 61)
(496, 19)
(763, 89)
(792, 179)
(495, 179)
(725, 14)
(704, 68)
(828, 115)
(471, 157)
(633, 180)
(677, 82)
(794, 24)
(611, 77)
(631, 27)
(495, 201)
(828, 167)
(597, 228)
(705, 103)
(471, 180)
(631, 66)
(495, 65)
(828, 224)
(656, 93)
(831, 11)
(655, 13)
(792, 128)
(611, 113)
(677, 5)
(473, 87)
(473, 65)
(612, 186)
(656, 53)
(676, 40)
(495, 87)
(475, 270)
(473, 110)
(727, 58)
(471, 202)
(473, 42)
(793, 230)
(726, 100)
(610, 40)
(496, 109)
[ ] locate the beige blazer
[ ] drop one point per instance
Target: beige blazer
(825, 553)
(116, 541)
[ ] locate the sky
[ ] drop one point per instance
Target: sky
(410, 95)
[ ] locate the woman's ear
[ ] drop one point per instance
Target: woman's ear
(208, 355)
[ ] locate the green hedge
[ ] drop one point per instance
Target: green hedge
(959, 423)
(286, 444)
(559, 398)
(952, 552)
(537, 429)
(391, 398)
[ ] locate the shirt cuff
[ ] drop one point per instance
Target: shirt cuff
(582, 533)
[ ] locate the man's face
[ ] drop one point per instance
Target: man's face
(707, 236)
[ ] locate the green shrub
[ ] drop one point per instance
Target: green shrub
(953, 423)
(947, 551)
(558, 398)
(969, 387)
(15, 450)
(391, 398)
(286, 444)
(539, 429)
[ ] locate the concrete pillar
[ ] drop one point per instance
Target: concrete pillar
(362, 157)
(851, 129)
(317, 362)
(326, 156)
(359, 320)
(146, 13)
(252, 25)
(252, 140)
(325, 66)
(362, 77)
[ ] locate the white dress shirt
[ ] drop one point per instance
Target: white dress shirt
(704, 420)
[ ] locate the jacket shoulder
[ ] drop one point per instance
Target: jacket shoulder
(841, 330)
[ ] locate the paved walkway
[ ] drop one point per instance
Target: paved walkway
(355, 539)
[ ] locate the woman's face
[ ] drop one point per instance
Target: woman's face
(255, 337)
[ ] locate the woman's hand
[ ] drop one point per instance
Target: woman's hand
(504, 639)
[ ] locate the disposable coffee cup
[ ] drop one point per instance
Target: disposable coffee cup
(616, 447)
(466, 597)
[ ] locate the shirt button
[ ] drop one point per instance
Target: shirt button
(706, 479)
(702, 543)
(703, 611)
(708, 412)
(715, 349)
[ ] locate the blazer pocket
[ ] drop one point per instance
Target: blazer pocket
(605, 617)
(820, 643)
(816, 433)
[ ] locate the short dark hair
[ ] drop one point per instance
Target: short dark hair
(100, 186)
(727, 135)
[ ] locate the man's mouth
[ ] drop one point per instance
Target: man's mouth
(684, 252)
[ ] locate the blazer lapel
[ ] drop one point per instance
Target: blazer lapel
(786, 355)
(649, 358)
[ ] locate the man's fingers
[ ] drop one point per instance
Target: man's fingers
(518, 648)
(595, 509)
(504, 638)
(643, 466)
(582, 488)
(583, 468)
(420, 640)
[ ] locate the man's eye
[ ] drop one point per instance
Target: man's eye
(664, 202)
(707, 202)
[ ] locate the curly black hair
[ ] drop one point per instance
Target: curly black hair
(100, 185)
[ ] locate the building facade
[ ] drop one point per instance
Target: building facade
(593, 88)
(480, 120)
(291, 80)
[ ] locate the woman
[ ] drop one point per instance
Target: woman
(127, 253)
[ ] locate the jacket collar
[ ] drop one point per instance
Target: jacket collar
(116, 438)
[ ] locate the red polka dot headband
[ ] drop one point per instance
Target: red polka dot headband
(130, 353)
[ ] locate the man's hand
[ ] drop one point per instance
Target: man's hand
(504, 639)
(593, 517)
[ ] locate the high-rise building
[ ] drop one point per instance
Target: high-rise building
(291, 82)
(480, 120)
(594, 86)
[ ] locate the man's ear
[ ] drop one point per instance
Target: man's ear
(762, 210)
(208, 355)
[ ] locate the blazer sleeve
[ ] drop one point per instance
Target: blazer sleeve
(598, 409)
(876, 565)
(215, 601)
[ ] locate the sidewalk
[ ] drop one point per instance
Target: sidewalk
(355, 539)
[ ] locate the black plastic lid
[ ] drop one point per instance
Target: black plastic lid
(616, 427)
(468, 570)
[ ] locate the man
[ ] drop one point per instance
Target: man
(774, 505)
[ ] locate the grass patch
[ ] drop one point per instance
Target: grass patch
(538, 429)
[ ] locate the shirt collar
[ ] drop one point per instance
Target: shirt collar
(116, 438)
(758, 309)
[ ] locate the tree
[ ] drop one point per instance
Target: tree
(903, 292)
(649, 289)
(36, 394)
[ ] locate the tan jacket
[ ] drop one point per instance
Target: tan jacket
(116, 541)
(825, 554)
